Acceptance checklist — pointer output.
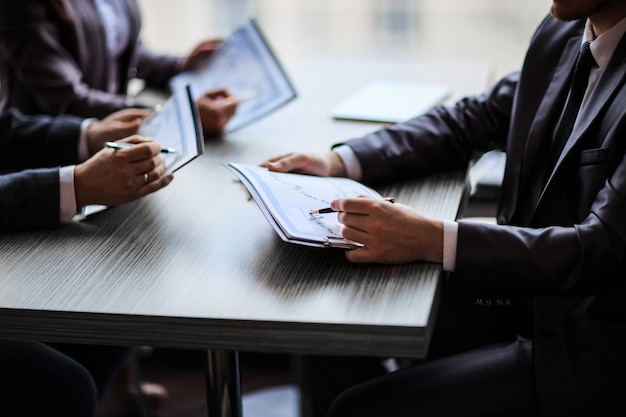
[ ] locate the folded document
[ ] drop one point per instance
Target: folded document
(287, 199)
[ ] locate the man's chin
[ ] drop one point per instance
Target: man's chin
(566, 12)
(563, 15)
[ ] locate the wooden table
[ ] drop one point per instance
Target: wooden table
(196, 265)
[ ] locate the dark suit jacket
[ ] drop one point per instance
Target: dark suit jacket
(566, 251)
(55, 59)
(29, 198)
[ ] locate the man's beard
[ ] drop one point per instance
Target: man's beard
(575, 13)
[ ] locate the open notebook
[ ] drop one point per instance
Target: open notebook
(286, 200)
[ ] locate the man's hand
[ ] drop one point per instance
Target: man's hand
(115, 176)
(216, 107)
(327, 164)
(200, 53)
(118, 125)
(391, 233)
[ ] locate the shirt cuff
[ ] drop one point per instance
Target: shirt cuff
(450, 238)
(351, 162)
(83, 146)
(67, 195)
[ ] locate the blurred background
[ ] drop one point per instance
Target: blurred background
(497, 31)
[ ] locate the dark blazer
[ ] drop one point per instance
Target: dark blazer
(55, 59)
(29, 198)
(564, 250)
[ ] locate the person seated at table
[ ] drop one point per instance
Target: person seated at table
(77, 57)
(36, 193)
(554, 264)
(61, 379)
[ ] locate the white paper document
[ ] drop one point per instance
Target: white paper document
(286, 200)
(245, 64)
(391, 101)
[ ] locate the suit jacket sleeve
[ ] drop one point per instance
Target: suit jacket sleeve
(156, 69)
(445, 139)
(37, 141)
(29, 199)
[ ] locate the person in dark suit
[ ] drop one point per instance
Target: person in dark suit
(555, 261)
(77, 57)
(63, 379)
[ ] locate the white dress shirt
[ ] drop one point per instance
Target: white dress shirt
(67, 193)
(114, 17)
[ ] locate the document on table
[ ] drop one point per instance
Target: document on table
(175, 125)
(391, 101)
(286, 200)
(246, 65)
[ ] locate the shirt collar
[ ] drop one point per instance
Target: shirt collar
(603, 46)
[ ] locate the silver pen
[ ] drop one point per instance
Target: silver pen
(122, 145)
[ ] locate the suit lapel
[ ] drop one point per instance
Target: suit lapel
(609, 84)
(543, 126)
(547, 113)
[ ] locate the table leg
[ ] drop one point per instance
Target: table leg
(223, 384)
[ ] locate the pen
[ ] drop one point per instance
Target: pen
(122, 145)
(330, 210)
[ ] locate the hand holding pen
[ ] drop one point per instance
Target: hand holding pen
(390, 233)
(332, 210)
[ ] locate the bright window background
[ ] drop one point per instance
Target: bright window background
(497, 31)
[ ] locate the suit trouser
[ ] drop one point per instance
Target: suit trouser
(495, 380)
(477, 366)
(65, 380)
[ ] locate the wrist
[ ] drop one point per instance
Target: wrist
(337, 166)
(87, 138)
(428, 240)
(80, 189)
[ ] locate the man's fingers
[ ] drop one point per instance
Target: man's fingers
(355, 235)
(289, 162)
(276, 158)
(131, 114)
(361, 255)
(156, 185)
(142, 151)
(355, 205)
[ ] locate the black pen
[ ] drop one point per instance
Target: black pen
(122, 145)
(330, 210)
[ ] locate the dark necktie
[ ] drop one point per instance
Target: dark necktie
(583, 66)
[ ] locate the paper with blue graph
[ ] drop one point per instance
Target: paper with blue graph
(246, 65)
(287, 199)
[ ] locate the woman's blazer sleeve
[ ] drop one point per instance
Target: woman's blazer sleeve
(43, 76)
